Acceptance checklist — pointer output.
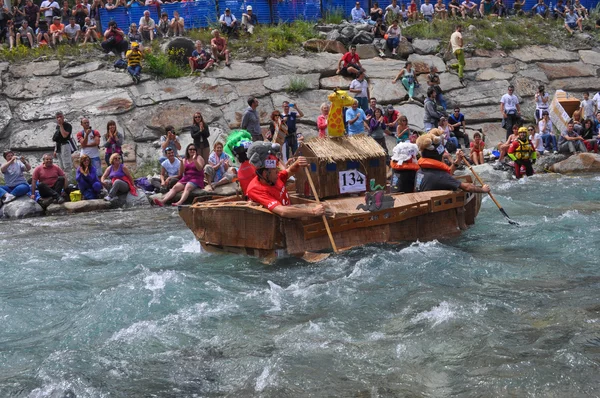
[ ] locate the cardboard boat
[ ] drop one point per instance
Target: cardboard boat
(237, 226)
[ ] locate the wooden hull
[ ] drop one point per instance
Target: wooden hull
(230, 225)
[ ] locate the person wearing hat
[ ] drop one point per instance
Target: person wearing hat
(249, 20)
(268, 186)
(433, 173)
(134, 62)
(57, 31)
(523, 153)
(228, 23)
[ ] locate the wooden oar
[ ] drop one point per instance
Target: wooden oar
(316, 194)
(511, 221)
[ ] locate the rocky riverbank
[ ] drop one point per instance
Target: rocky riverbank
(31, 93)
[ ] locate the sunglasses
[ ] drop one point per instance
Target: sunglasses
(191, 149)
(197, 117)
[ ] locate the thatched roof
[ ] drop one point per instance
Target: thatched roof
(354, 147)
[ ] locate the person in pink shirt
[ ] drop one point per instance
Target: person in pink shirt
(322, 120)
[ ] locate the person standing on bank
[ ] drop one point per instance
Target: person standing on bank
(89, 140)
(62, 140)
(456, 45)
(289, 115)
(200, 134)
(251, 120)
(510, 109)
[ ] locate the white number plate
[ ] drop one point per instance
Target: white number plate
(352, 181)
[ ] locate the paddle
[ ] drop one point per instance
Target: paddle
(511, 221)
(316, 195)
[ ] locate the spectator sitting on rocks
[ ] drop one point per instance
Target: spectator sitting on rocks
(163, 25)
(536, 140)
(379, 40)
(427, 11)
(577, 122)
(134, 62)
(580, 9)
(25, 35)
(440, 10)
(200, 59)
(218, 166)
(590, 136)
(469, 8)
(394, 35)
(540, 9)
(110, 5)
(392, 12)
(200, 133)
(432, 116)
(113, 141)
(409, 79)
(458, 127)
(572, 21)
(50, 181)
(518, 6)
(147, 26)
(391, 118)
(169, 140)
(249, 20)
(41, 32)
(376, 12)
(89, 140)
(503, 146)
(72, 31)
(485, 7)
(413, 13)
(433, 80)
(218, 45)
(15, 184)
(349, 65)
(8, 33)
(87, 179)
(177, 25)
(134, 35)
(547, 133)
(90, 31)
(499, 9)
(117, 179)
(57, 30)
(451, 142)
(560, 10)
(403, 15)
(358, 15)
(193, 177)
(455, 8)
(403, 132)
(62, 139)
(171, 171)
(477, 147)
(114, 40)
(322, 120)
(228, 22)
(510, 109)
(360, 87)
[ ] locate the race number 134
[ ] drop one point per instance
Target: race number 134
(352, 181)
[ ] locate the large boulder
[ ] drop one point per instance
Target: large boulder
(582, 162)
(33, 137)
(405, 48)
(21, 207)
(283, 82)
(77, 69)
(421, 63)
(478, 93)
(82, 206)
(43, 67)
(567, 69)
(5, 117)
(590, 57)
(425, 47)
(103, 78)
(239, 71)
(347, 34)
(333, 35)
(179, 49)
(321, 45)
(366, 51)
(386, 92)
(141, 200)
(543, 54)
(337, 81)
(36, 87)
(323, 63)
(363, 38)
(544, 163)
(492, 74)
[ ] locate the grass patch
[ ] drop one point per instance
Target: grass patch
(334, 16)
(24, 53)
(297, 85)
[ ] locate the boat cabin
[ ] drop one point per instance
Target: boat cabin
(339, 166)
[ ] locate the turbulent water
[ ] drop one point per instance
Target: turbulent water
(124, 304)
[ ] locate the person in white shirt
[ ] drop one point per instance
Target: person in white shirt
(587, 107)
(536, 140)
(391, 12)
(427, 11)
(47, 8)
(177, 25)
(358, 14)
(542, 102)
(147, 26)
(510, 109)
(228, 23)
(360, 87)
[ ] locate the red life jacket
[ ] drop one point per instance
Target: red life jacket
(427, 163)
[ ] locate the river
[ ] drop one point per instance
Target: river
(125, 304)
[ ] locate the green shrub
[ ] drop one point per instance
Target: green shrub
(334, 16)
(297, 85)
(162, 66)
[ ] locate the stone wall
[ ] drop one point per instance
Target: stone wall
(31, 93)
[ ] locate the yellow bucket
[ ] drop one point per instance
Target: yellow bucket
(75, 196)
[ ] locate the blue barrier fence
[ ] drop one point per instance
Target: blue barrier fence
(203, 13)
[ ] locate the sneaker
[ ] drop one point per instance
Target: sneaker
(122, 55)
(107, 198)
(110, 53)
(60, 200)
(158, 202)
(555, 153)
(9, 198)
(394, 52)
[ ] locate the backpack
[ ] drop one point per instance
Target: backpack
(56, 11)
(120, 64)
